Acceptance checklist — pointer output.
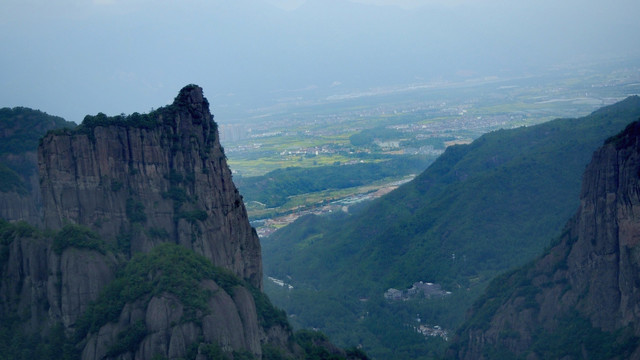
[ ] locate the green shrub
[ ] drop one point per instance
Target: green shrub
(116, 185)
(10, 232)
(123, 240)
(168, 268)
(193, 215)
(128, 339)
(178, 195)
(135, 211)
(77, 236)
(144, 121)
(157, 233)
(268, 315)
(314, 345)
(213, 352)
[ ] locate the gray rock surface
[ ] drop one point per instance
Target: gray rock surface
(139, 186)
(594, 269)
(168, 182)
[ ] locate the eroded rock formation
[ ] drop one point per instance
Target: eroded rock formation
(149, 251)
(155, 178)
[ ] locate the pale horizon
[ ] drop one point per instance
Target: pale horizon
(72, 58)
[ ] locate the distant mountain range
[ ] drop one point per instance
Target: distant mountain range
(479, 210)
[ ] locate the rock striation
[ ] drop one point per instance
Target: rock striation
(150, 179)
(148, 251)
(581, 299)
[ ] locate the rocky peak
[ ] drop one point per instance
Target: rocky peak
(192, 98)
(150, 253)
(146, 179)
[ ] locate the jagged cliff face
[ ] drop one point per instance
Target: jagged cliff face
(151, 253)
(590, 277)
(139, 186)
(45, 287)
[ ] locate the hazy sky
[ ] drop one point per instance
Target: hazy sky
(76, 57)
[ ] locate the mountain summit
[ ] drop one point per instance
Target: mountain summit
(148, 251)
(146, 179)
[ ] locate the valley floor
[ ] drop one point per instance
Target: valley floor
(329, 205)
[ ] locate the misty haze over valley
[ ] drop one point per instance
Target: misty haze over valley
(73, 58)
(319, 179)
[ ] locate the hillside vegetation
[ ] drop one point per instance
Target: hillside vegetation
(578, 299)
(480, 209)
(274, 188)
(20, 130)
(140, 264)
(167, 269)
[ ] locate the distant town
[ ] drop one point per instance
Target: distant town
(418, 290)
(421, 290)
(431, 118)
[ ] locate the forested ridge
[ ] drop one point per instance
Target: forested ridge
(274, 188)
(478, 210)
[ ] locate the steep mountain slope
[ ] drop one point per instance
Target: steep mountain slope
(582, 298)
(20, 129)
(478, 210)
(164, 179)
(148, 254)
